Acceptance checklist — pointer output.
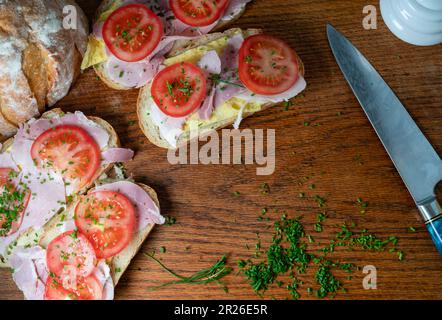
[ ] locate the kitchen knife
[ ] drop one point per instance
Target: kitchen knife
(413, 156)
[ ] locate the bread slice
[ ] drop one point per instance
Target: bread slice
(28, 238)
(117, 264)
(100, 70)
(151, 130)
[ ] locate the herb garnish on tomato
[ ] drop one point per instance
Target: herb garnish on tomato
(179, 89)
(267, 65)
(13, 203)
(132, 32)
(198, 13)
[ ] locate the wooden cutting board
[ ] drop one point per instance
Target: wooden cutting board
(338, 151)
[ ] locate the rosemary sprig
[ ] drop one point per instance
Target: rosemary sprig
(205, 276)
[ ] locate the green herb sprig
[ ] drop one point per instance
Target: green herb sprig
(213, 274)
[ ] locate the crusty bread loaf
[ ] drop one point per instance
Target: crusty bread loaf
(100, 70)
(114, 142)
(39, 58)
(119, 263)
(151, 130)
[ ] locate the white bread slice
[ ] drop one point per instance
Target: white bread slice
(151, 130)
(117, 264)
(101, 71)
(29, 238)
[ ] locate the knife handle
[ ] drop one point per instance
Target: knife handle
(435, 228)
(431, 212)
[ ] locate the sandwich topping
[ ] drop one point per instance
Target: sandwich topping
(130, 52)
(179, 89)
(242, 75)
(267, 65)
(132, 32)
(107, 219)
(48, 162)
(73, 266)
(198, 13)
(13, 202)
(70, 151)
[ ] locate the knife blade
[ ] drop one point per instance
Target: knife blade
(418, 164)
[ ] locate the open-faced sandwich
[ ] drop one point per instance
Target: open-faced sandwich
(130, 39)
(68, 230)
(39, 57)
(216, 81)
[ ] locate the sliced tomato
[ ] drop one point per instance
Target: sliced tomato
(107, 219)
(71, 151)
(14, 203)
(132, 32)
(267, 65)
(179, 89)
(198, 13)
(70, 256)
(88, 288)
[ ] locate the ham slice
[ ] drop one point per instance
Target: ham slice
(31, 273)
(6, 160)
(210, 63)
(102, 273)
(47, 198)
(114, 155)
(147, 210)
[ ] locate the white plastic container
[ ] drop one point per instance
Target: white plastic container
(418, 22)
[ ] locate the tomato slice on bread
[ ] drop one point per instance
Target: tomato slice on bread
(132, 32)
(267, 65)
(69, 150)
(179, 89)
(13, 203)
(198, 13)
(107, 219)
(88, 288)
(70, 256)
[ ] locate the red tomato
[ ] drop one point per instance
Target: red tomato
(267, 65)
(107, 219)
(71, 151)
(70, 256)
(179, 89)
(14, 203)
(132, 32)
(86, 289)
(198, 13)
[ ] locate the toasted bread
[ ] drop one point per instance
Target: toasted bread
(151, 130)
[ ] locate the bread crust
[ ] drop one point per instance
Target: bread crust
(152, 132)
(39, 58)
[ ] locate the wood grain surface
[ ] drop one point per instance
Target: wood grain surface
(338, 151)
